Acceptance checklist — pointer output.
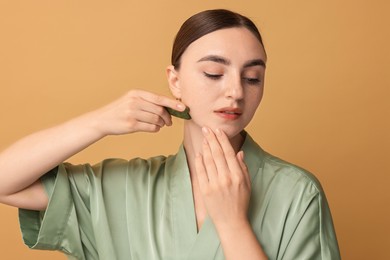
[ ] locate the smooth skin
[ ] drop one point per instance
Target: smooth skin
(219, 71)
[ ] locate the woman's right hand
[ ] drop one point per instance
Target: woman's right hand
(136, 111)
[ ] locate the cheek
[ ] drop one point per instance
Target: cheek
(195, 92)
(200, 102)
(253, 101)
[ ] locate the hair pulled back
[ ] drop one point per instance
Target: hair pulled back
(206, 22)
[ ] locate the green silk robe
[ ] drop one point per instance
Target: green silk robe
(143, 209)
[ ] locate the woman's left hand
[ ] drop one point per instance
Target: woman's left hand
(224, 181)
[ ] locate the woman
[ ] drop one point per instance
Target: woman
(221, 196)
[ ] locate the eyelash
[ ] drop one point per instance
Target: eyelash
(250, 81)
(213, 76)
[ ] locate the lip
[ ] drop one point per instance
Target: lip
(231, 113)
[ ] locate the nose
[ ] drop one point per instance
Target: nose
(234, 89)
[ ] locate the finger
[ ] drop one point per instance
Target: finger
(209, 163)
(201, 173)
(216, 151)
(146, 127)
(162, 101)
(149, 118)
(228, 151)
(244, 168)
(157, 110)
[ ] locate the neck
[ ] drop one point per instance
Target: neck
(193, 139)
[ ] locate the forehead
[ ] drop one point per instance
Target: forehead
(232, 43)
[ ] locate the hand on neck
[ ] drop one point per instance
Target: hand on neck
(193, 139)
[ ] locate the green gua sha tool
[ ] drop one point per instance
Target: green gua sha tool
(185, 114)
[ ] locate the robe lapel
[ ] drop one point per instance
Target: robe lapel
(253, 155)
(206, 244)
(183, 211)
(189, 243)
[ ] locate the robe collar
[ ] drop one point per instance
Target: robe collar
(189, 243)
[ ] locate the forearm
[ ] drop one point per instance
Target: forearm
(239, 242)
(29, 158)
(24, 162)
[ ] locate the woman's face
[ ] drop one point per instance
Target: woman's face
(221, 79)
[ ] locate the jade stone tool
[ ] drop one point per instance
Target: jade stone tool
(185, 114)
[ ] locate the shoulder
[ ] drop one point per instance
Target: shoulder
(271, 173)
(112, 170)
(116, 165)
(290, 189)
(288, 172)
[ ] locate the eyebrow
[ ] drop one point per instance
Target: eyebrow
(256, 62)
(215, 58)
(224, 61)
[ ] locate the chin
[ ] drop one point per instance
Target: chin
(231, 131)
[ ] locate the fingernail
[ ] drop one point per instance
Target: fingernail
(205, 130)
(180, 106)
(218, 131)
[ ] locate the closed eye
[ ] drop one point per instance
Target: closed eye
(252, 81)
(213, 76)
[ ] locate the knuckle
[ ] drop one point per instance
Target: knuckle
(226, 182)
(230, 154)
(130, 125)
(129, 113)
(158, 99)
(154, 118)
(239, 179)
(131, 105)
(154, 128)
(158, 120)
(236, 181)
(160, 110)
(130, 99)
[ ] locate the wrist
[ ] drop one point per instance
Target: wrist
(88, 124)
(233, 228)
(239, 241)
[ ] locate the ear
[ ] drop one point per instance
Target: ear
(173, 81)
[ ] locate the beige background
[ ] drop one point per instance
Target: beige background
(325, 107)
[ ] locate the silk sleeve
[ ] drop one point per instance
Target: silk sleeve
(59, 227)
(314, 236)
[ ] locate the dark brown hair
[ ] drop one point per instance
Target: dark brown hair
(206, 22)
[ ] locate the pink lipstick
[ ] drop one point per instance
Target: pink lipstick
(229, 113)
